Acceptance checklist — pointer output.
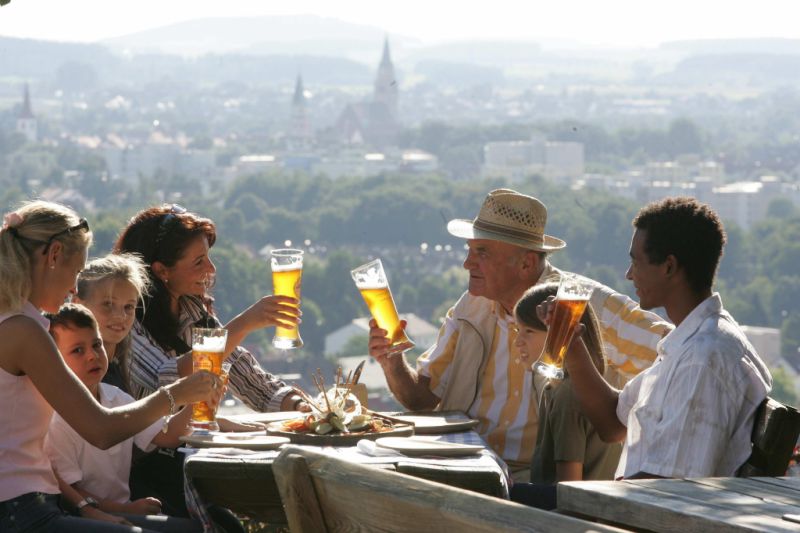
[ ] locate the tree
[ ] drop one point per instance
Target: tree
(783, 388)
(781, 208)
(790, 338)
(684, 137)
(355, 345)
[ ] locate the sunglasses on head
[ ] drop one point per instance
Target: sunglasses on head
(170, 215)
(82, 224)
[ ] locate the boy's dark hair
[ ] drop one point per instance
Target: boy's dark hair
(687, 229)
(71, 316)
(525, 312)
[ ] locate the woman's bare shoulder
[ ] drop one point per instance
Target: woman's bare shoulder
(24, 340)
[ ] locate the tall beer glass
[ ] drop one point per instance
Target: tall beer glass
(208, 353)
(287, 272)
(374, 287)
(571, 300)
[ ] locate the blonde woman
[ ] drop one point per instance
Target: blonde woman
(43, 247)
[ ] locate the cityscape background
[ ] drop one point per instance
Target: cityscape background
(354, 137)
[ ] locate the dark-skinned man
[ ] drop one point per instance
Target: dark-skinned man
(691, 413)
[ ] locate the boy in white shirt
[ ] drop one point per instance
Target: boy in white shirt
(101, 476)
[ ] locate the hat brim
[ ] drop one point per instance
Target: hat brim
(466, 230)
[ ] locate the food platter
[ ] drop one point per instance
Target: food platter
(247, 441)
(437, 423)
(338, 439)
(337, 417)
(422, 446)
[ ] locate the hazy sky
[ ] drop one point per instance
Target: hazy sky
(608, 22)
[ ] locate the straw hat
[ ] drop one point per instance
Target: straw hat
(511, 217)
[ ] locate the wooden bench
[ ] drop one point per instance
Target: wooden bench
(325, 494)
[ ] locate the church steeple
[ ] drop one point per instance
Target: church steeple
(385, 82)
(26, 122)
(26, 111)
(300, 126)
(299, 99)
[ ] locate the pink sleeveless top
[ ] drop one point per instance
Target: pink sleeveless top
(24, 419)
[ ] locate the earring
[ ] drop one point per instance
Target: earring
(53, 266)
(166, 281)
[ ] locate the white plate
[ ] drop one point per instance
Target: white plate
(411, 446)
(264, 418)
(438, 423)
(247, 441)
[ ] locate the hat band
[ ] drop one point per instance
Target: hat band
(536, 238)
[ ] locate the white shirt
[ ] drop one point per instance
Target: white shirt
(104, 473)
(691, 414)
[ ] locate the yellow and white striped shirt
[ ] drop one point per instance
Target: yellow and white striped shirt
(506, 404)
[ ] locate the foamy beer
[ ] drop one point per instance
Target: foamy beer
(571, 300)
(287, 273)
(208, 353)
(374, 287)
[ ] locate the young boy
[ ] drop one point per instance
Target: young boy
(101, 476)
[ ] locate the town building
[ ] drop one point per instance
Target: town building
(516, 160)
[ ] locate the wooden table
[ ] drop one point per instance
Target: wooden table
(687, 505)
(246, 485)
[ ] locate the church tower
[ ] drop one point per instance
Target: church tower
(386, 83)
(26, 122)
(300, 126)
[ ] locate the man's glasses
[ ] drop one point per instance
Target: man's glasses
(82, 224)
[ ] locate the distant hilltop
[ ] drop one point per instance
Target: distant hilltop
(274, 50)
(265, 35)
(734, 46)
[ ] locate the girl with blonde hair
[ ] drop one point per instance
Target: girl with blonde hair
(112, 287)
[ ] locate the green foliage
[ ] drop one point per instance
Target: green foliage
(357, 345)
(790, 337)
(783, 387)
(781, 208)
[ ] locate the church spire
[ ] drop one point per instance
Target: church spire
(26, 112)
(300, 135)
(385, 82)
(299, 93)
(386, 60)
(26, 122)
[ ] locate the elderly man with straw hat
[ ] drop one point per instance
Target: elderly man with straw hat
(474, 366)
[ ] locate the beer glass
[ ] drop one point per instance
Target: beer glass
(571, 300)
(287, 272)
(208, 353)
(374, 287)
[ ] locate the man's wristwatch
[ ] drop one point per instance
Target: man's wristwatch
(91, 502)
